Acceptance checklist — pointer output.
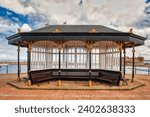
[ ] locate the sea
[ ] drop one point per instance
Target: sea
(6, 69)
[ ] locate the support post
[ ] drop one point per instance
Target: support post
(89, 51)
(76, 57)
(148, 70)
(59, 60)
(7, 69)
(59, 65)
(18, 50)
(120, 56)
(66, 51)
(124, 60)
(29, 62)
(133, 54)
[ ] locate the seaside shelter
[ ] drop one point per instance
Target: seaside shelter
(74, 52)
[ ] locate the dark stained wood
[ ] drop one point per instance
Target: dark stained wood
(112, 77)
(40, 76)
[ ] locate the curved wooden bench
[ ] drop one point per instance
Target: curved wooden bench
(40, 76)
(112, 77)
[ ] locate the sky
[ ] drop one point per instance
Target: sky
(33, 14)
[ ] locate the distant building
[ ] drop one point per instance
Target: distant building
(138, 61)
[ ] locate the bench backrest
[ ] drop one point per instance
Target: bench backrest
(116, 76)
(38, 75)
(70, 73)
(43, 74)
(75, 73)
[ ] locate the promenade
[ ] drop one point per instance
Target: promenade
(8, 92)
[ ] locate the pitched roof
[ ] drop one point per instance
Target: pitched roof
(76, 28)
(75, 32)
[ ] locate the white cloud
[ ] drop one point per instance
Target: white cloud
(119, 12)
(17, 6)
(124, 14)
(6, 25)
(25, 28)
(142, 32)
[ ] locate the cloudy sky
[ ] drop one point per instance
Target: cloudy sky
(32, 14)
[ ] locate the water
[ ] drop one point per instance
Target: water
(13, 69)
(147, 61)
(138, 70)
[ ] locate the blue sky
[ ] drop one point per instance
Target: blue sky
(117, 14)
(12, 16)
(147, 0)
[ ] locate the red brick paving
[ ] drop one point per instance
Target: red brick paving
(9, 93)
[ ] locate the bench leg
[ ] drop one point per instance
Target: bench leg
(29, 82)
(90, 83)
(38, 84)
(59, 83)
(110, 85)
(75, 80)
(18, 79)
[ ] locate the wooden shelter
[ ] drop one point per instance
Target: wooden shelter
(75, 49)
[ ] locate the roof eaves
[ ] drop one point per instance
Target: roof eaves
(13, 36)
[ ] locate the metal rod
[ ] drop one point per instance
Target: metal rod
(29, 60)
(59, 60)
(124, 60)
(121, 57)
(18, 63)
(133, 52)
(148, 70)
(7, 69)
(99, 59)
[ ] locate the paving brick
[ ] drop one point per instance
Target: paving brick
(10, 93)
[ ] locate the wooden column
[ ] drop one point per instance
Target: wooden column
(120, 56)
(89, 48)
(59, 64)
(66, 57)
(99, 59)
(105, 58)
(29, 62)
(76, 57)
(59, 61)
(124, 62)
(133, 56)
(18, 50)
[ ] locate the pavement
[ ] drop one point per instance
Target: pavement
(8, 92)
